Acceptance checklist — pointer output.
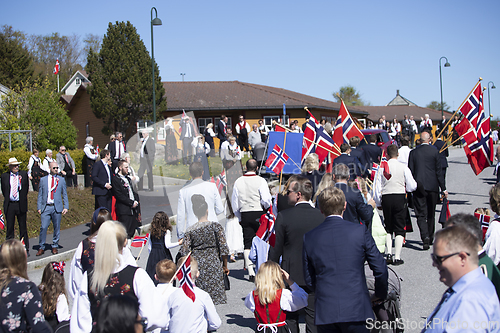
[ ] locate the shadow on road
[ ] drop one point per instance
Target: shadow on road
(238, 320)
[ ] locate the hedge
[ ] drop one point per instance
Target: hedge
(24, 157)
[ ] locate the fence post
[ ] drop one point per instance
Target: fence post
(10, 143)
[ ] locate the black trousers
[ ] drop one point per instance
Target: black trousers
(130, 224)
(12, 212)
(354, 327)
(250, 224)
(146, 165)
(187, 150)
(103, 201)
(393, 206)
(425, 210)
(292, 318)
(71, 179)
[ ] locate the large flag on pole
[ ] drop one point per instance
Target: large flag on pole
(345, 127)
(277, 160)
(323, 142)
(56, 67)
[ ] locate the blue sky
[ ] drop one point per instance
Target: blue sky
(311, 47)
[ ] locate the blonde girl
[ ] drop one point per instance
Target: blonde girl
(270, 299)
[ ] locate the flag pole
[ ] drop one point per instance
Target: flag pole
(451, 144)
(139, 255)
(465, 100)
(58, 90)
(179, 268)
(284, 145)
(311, 141)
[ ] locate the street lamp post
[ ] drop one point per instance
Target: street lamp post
(492, 87)
(447, 64)
(182, 74)
(155, 21)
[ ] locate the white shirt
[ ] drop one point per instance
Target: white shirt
(87, 150)
(167, 240)
(290, 301)
(185, 214)
(49, 183)
(195, 143)
(120, 149)
(211, 132)
(265, 195)
(492, 241)
(182, 315)
(76, 269)
(397, 186)
(32, 161)
(404, 154)
(226, 147)
(81, 320)
(106, 167)
(45, 165)
(62, 308)
(144, 145)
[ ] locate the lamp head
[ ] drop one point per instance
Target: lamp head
(156, 21)
(493, 86)
(447, 64)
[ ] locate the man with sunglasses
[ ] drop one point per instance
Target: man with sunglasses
(67, 167)
(52, 204)
(470, 303)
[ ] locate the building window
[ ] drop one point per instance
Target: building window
(78, 81)
(202, 124)
(87, 129)
(268, 121)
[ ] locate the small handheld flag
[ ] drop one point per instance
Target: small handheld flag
(385, 165)
(185, 281)
(221, 181)
(375, 167)
(139, 241)
(276, 160)
(485, 222)
(2, 220)
(266, 229)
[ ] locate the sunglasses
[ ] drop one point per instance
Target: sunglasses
(55, 168)
(290, 191)
(438, 260)
(63, 149)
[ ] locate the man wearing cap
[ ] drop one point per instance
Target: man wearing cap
(52, 204)
(15, 204)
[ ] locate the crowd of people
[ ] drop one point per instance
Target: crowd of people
(327, 229)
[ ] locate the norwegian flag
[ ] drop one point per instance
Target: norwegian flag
(139, 241)
(221, 181)
(185, 280)
(477, 133)
(322, 141)
(266, 230)
(56, 67)
(374, 171)
(485, 222)
(385, 166)
(276, 160)
(2, 220)
(97, 150)
(345, 127)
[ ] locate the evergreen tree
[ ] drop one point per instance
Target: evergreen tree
(16, 64)
(121, 91)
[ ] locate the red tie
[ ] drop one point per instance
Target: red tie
(52, 189)
(67, 160)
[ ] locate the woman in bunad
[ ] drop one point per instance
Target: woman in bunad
(35, 171)
(90, 158)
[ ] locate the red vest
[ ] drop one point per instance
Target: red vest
(269, 313)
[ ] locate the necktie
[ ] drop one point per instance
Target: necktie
(445, 297)
(15, 189)
(52, 189)
(67, 159)
(119, 149)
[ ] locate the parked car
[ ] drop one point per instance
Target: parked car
(383, 138)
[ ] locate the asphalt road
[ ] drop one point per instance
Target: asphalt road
(421, 289)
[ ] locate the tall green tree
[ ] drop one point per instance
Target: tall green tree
(437, 106)
(16, 64)
(350, 96)
(121, 91)
(37, 107)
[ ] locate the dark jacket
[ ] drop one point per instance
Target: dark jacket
(334, 255)
(425, 165)
(356, 210)
(442, 155)
(100, 178)
(120, 192)
(352, 162)
(220, 131)
(373, 152)
(291, 226)
(23, 193)
(363, 159)
(112, 149)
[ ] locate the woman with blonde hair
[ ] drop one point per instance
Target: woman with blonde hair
(111, 276)
(310, 170)
(325, 182)
(492, 237)
(20, 300)
(270, 299)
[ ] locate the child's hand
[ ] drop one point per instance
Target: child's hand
(286, 277)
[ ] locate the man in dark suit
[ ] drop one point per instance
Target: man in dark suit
(373, 152)
(425, 165)
(116, 149)
(357, 210)
(222, 130)
(352, 162)
(358, 152)
(147, 153)
(127, 200)
(443, 155)
(186, 136)
(291, 225)
(52, 204)
(334, 255)
(15, 203)
(101, 175)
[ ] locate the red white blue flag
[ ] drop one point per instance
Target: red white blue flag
(373, 174)
(276, 160)
(2, 220)
(485, 222)
(345, 127)
(139, 241)
(56, 67)
(385, 166)
(317, 140)
(266, 230)
(221, 181)
(185, 281)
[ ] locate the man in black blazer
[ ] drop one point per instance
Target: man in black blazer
(15, 202)
(358, 152)
(291, 225)
(352, 162)
(425, 165)
(357, 210)
(186, 136)
(222, 130)
(101, 175)
(116, 149)
(127, 200)
(334, 255)
(443, 155)
(373, 152)
(147, 153)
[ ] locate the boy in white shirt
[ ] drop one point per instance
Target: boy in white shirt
(165, 270)
(183, 315)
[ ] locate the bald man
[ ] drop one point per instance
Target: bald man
(425, 165)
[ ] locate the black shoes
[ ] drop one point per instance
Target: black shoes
(389, 260)
(398, 262)
(427, 242)
(251, 278)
